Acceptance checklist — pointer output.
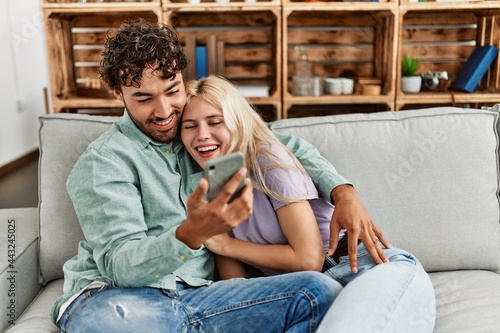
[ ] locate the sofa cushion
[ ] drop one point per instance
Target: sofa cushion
(428, 177)
(36, 318)
(466, 301)
(63, 138)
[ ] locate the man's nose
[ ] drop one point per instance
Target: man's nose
(163, 108)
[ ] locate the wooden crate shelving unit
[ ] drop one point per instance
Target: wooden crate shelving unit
(443, 35)
(357, 38)
(366, 38)
(249, 33)
(75, 33)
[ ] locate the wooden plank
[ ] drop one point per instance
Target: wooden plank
(59, 56)
(89, 38)
(333, 35)
(190, 51)
(221, 58)
(441, 52)
(327, 19)
(440, 18)
(88, 55)
(452, 68)
(111, 20)
(211, 43)
(248, 54)
(365, 69)
(87, 72)
(248, 71)
(340, 53)
(230, 35)
(442, 34)
(211, 19)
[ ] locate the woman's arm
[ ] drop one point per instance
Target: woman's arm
(304, 250)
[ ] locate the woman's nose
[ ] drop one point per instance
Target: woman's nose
(203, 132)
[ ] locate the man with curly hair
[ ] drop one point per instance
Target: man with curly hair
(143, 266)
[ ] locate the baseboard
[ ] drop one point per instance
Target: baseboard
(20, 162)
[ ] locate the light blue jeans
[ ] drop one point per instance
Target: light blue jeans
(393, 297)
(294, 302)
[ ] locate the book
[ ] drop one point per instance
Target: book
(201, 61)
(476, 66)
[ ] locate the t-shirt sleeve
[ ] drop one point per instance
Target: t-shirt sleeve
(287, 180)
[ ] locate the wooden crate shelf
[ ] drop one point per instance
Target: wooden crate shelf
(250, 52)
(361, 44)
(74, 51)
(443, 41)
(360, 38)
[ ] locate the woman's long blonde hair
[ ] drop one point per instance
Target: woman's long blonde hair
(249, 133)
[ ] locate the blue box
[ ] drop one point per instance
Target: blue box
(476, 66)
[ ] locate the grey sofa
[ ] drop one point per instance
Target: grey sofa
(428, 177)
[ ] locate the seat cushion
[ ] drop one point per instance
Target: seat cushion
(63, 138)
(467, 301)
(36, 318)
(428, 177)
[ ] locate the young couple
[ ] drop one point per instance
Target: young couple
(145, 265)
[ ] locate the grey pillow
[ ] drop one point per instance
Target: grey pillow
(63, 138)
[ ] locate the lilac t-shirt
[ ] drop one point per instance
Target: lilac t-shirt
(263, 226)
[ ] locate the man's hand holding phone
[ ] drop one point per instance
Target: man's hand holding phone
(219, 171)
(223, 213)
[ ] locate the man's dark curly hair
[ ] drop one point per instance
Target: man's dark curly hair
(136, 46)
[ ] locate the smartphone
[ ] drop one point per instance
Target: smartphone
(219, 171)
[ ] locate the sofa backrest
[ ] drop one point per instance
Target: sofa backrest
(62, 138)
(428, 177)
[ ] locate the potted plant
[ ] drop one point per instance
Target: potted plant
(410, 81)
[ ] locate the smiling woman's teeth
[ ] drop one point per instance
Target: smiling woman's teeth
(208, 148)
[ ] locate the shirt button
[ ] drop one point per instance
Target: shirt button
(157, 276)
(181, 257)
(167, 151)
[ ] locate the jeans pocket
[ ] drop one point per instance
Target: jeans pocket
(78, 304)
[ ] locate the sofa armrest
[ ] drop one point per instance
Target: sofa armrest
(18, 262)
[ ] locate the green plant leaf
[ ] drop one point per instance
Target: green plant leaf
(409, 65)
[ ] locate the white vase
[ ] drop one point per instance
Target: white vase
(411, 84)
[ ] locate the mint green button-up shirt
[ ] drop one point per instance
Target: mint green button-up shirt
(130, 193)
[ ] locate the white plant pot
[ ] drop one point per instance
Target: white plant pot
(411, 84)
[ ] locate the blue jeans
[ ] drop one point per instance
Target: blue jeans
(294, 302)
(392, 297)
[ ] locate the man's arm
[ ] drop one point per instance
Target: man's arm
(349, 213)
(108, 203)
(110, 211)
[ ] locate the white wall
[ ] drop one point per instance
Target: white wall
(23, 75)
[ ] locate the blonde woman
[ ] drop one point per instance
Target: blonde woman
(290, 226)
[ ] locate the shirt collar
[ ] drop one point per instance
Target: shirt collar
(127, 126)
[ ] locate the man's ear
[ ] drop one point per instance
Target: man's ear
(118, 94)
